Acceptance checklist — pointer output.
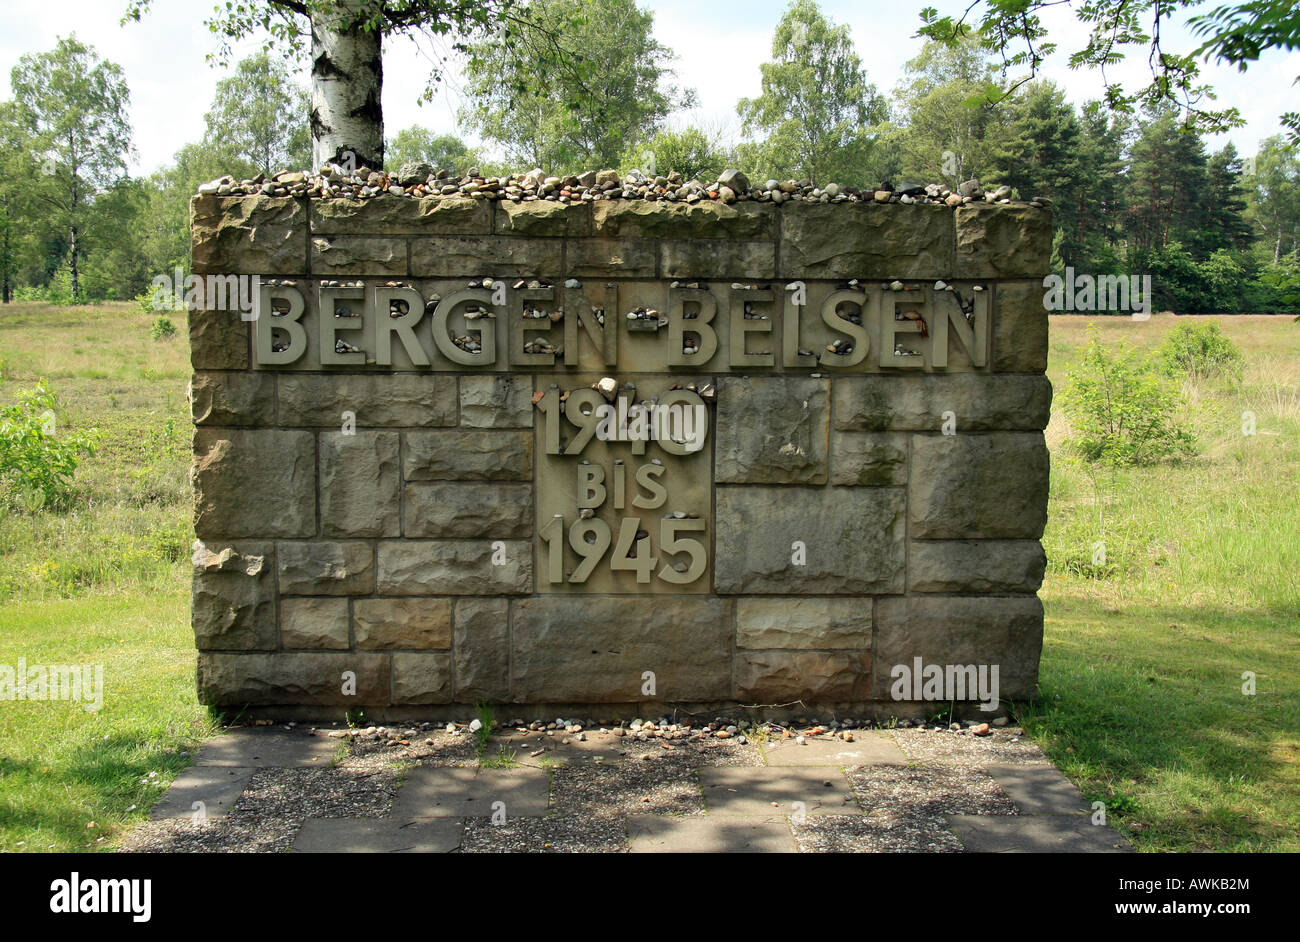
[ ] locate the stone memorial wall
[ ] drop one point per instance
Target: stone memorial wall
(616, 453)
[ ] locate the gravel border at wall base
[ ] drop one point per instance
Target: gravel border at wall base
(596, 789)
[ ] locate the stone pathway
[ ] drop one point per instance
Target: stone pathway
(426, 790)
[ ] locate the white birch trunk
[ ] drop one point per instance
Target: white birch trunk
(347, 77)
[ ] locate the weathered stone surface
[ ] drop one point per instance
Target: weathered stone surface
(469, 455)
(292, 679)
(482, 648)
(358, 255)
(414, 624)
(1019, 327)
(824, 240)
(360, 484)
(248, 235)
(971, 566)
(232, 399)
(421, 678)
(1002, 241)
(702, 220)
(811, 676)
(320, 400)
(314, 623)
(978, 486)
(446, 567)
(597, 649)
(944, 630)
(320, 568)
(543, 218)
(255, 483)
(233, 598)
(979, 402)
(804, 624)
(772, 430)
(869, 458)
(218, 340)
(394, 215)
(496, 401)
(626, 258)
(712, 258)
(851, 540)
(491, 511)
(495, 256)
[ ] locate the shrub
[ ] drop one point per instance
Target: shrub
(36, 465)
(1122, 409)
(1200, 350)
(162, 328)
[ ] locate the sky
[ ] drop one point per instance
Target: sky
(718, 53)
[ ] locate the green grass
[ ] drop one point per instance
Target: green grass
(1141, 680)
(1142, 661)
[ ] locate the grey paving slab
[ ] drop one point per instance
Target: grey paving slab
(661, 834)
(430, 792)
(268, 748)
(764, 790)
(216, 787)
(1039, 789)
(1035, 834)
(867, 748)
(378, 836)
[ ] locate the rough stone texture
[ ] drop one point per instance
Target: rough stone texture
(496, 401)
(498, 256)
(421, 678)
(218, 340)
(978, 486)
(232, 399)
(703, 220)
(852, 540)
(454, 567)
(1020, 328)
(1002, 241)
(360, 478)
(869, 458)
(456, 454)
(984, 566)
(358, 255)
(814, 676)
(254, 483)
(543, 218)
(594, 649)
(250, 235)
(320, 400)
(711, 258)
(233, 598)
(414, 624)
(314, 623)
(482, 646)
(494, 511)
(988, 630)
(388, 215)
(772, 430)
(319, 568)
(292, 678)
(803, 624)
(979, 402)
(866, 241)
(626, 258)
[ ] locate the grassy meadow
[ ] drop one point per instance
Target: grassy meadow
(1142, 666)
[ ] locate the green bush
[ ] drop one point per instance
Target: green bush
(36, 465)
(1199, 351)
(1122, 409)
(162, 328)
